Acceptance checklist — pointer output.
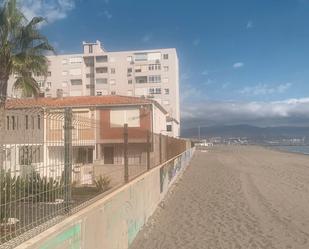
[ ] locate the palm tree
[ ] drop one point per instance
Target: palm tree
(22, 53)
(22, 50)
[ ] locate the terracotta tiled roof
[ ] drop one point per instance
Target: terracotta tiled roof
(79, 101)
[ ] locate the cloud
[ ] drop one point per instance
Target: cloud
(52, 10)
(249, 25)
(147, 38)
(208, 82)
(196, 42)
(273, 113)
(188, 91)
(226, 85)
(264, 89)
(238, 65)
(107, 14)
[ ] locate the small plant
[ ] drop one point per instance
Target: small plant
(43, 189)
(11, 190)
(103, 183)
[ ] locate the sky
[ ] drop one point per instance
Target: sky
(241, 61)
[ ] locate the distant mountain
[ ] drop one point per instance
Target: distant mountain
(247, 131)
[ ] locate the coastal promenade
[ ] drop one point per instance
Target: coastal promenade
(242, 197)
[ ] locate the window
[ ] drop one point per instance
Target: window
(120, 117)
(13, 123)
(76, 60)
(7, 122)
(169, 128)
(99, 93)
(165, 56)
(27, 122)
(48, 74)
(154, 90)
(166, 91)
(141, 79)
(155, 79)
(76, 82)
(101, 59)
(112, 82)
(8, 155)
(153, 67)
(49, 84)
(129, 81)
(141, 57)
(90, 49)
(101, 70)
(130, 70)
(32, 122)
(166, 68)
(113, 92)
(30, 154)
(39, 122)
(158, 90)
(113, 70)
(138, 70)
(101, 81)
(129, 58)
(41, 83)
(89, 62)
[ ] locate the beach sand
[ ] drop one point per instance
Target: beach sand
(230, 197)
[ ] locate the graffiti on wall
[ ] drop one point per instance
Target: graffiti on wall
(69, 239)
(171, 169)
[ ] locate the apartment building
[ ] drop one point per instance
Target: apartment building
(151, 74)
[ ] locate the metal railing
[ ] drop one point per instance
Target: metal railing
(53, 162)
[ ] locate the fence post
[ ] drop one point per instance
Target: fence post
(148, 150)
(125, 153)
(160, 147)
(68, 157)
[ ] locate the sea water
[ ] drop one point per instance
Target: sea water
(304, 149)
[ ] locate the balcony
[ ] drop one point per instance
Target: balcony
(101, 70)
(101, 59)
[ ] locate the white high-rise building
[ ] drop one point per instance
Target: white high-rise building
(148, 73)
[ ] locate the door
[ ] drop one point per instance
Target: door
(108, 155)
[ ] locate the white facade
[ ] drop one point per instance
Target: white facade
(148, 73)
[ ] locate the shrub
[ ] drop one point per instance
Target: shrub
(103, 183)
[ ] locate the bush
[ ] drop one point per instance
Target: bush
(103, 183)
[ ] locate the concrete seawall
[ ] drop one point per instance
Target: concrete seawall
(114, 221)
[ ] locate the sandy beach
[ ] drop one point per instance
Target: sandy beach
(234, 197)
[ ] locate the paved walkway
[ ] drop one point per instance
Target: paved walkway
(235, 197)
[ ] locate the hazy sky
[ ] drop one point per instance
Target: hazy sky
(242, 61)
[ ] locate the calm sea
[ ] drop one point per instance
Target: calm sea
(295, 149)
